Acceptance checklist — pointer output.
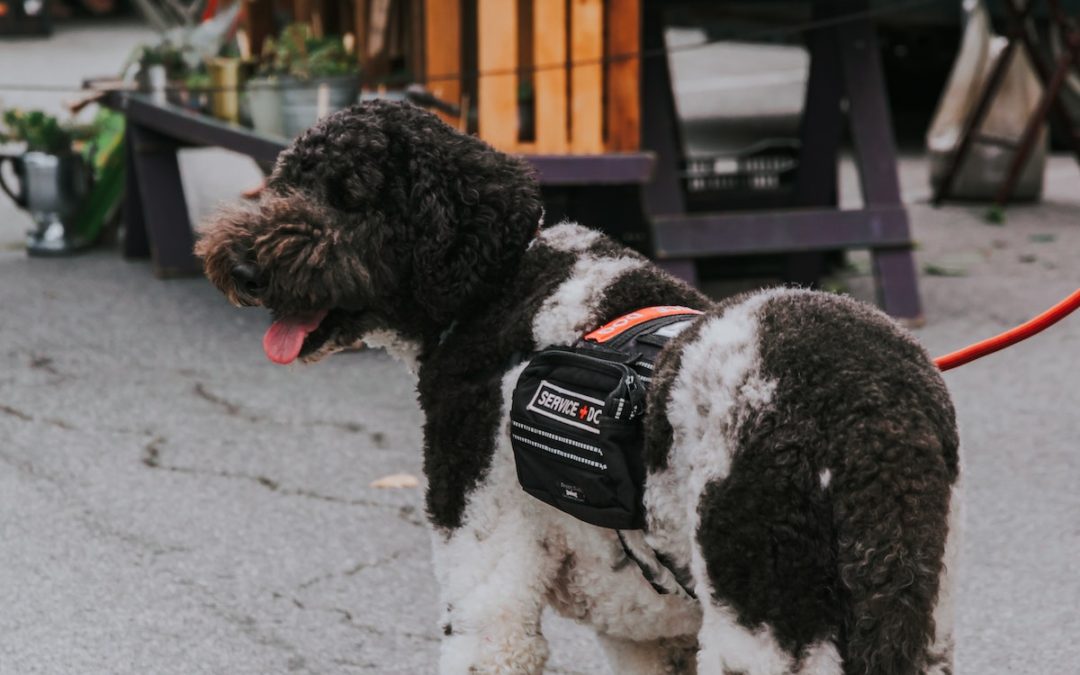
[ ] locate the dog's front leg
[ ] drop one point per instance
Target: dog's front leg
(493, 585)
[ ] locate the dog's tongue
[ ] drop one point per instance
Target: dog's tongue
(285, 338)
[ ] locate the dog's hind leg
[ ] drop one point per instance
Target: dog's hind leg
(940, 654)
(675, 656)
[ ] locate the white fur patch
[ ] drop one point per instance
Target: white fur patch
(718, 383)
(822, 659)
(569, 311)
(728, 647)
(825, 477)
(402, 349)
(568, 236)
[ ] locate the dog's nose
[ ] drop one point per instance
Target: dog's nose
(247, 279)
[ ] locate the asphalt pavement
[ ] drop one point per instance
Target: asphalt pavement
(171, 502)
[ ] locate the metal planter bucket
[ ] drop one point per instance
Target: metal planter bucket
(303, 102)
(264, 106)
(52, 188)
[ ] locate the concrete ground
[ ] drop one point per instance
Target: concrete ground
(170, 502)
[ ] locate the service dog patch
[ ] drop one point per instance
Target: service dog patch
(569, 407)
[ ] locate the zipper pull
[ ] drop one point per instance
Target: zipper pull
(637, 396)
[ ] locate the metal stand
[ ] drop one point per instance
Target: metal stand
(1050, 106)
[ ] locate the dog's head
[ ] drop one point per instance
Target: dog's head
(380, 217)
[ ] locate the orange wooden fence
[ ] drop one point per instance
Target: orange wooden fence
(577, 57)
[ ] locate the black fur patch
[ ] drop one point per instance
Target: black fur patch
(860, 558)
(460, 383)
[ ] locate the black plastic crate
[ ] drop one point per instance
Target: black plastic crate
(762, 175)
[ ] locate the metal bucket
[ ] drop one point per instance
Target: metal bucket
(52, 189)
(264, 105)
(303, 102)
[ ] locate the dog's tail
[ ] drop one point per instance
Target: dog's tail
(891, 508)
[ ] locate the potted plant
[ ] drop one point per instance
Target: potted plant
(196, 92)
(320, 76)
(161, 70)
(53, 178)
(263, 92)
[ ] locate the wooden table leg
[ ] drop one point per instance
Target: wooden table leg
(165, 213)
(871, 130)
(660, 133)
(136, 245)
(820, 133)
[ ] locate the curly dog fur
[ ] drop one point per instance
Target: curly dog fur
(801, 449)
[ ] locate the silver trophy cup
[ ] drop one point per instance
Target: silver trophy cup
(51, 188)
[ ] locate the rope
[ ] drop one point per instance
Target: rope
(749, 36)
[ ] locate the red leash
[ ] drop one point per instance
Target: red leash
(1012, 336)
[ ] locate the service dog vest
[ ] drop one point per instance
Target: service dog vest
(576, 417)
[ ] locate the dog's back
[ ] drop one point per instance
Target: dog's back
(817, 445)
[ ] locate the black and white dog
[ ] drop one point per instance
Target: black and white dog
(801, 450)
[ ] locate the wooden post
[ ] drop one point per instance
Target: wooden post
(497, 53)
(623, 83)
(442, 51)
(549, 48)
(586, 76)
(302, 11)
(260, 23)
(360, 29)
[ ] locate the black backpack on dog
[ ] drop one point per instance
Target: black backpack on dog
(576, 418)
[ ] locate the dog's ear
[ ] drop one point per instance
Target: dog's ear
(473, 211)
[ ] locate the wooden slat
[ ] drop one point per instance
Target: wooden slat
(415, 38)
(259, 20)
(549, 49)
(376, 58)
(497, 95)
(442, 50)
(301, 10)
(360, 28)
(623, 105)
(586, 75)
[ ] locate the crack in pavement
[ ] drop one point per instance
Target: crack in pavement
(249, 626)
(151, 458)
(352, 571)
(44, 363)
(363, 665)
(233, 409)
(86, 514)
(14, 412)
(348, 618)
(27, 417)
